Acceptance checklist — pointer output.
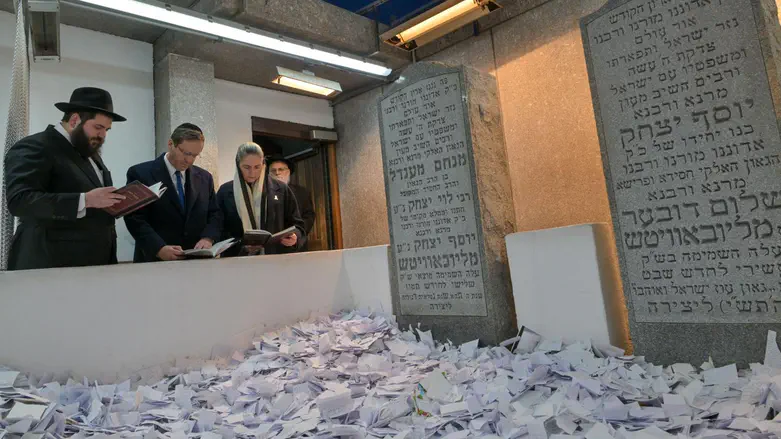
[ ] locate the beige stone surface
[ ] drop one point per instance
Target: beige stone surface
(772, 17)
(477, 53)
(359, 164)
(551, 134)
(549, 127)
(184, 92)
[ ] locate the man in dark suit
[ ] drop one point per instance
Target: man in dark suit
(57, 185)
(187, 215)
(282, 169)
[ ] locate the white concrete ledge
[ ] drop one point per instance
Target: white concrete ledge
(110, 322)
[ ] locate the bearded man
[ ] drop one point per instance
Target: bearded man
(281, 169)
(57, 185)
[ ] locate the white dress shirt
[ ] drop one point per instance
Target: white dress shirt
(172, 173)
(83, 198)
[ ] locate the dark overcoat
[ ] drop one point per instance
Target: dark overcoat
(45, 178)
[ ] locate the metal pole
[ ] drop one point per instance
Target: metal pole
(17, 125)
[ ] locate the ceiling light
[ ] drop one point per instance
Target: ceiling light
(437, 22)
(44, 24)
(185, 19)
(306, 81)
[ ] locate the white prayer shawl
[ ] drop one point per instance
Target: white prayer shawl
(255, 191)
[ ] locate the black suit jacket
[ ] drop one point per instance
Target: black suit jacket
(281, 213)
(165, 222)
(305, 206)
(45, 179)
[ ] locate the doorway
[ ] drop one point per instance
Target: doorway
(314, 169)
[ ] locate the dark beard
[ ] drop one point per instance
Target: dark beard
(86, 146)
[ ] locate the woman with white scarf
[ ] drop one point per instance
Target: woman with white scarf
(255, 201)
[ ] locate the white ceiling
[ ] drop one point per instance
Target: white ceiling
(232, 62)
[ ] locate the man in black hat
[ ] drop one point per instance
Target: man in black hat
(57, 185)
(281, 169)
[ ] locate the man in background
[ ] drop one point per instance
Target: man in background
(282, 169)
(57, 185)
(187, 215)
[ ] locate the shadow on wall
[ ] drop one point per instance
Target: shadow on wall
(100, 72)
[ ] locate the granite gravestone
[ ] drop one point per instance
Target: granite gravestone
(691, 151)
(448, 210)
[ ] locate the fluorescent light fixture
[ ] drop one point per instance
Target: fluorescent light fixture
(437, 22)
(162, 13)
(301, 85)
(307, 81)
(43, 17)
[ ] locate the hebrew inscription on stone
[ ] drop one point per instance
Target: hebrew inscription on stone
(428, 174)
(693, 155)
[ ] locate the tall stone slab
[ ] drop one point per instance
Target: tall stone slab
(449, 203)
(686, 97)
(184, 92)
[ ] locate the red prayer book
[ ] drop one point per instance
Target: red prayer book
(137, 195)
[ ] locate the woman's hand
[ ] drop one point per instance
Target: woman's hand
(290, 241)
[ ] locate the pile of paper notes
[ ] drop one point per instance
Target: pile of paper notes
(357, 375)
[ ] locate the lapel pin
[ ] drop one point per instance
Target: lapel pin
(276, 198)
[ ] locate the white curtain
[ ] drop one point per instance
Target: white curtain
(18, 122)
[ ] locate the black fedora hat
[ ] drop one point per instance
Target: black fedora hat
(90, 99)
(271, 159)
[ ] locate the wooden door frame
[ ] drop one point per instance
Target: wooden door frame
(281, 128)
(336, 206)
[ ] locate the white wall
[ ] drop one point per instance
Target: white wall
(108, 323)
(119, 65)
(237, 103)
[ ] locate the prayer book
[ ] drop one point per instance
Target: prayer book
(264, 238)
(137, 195)
(213, 252)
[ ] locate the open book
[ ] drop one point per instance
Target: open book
(264, 238)
(137, 195)
(213, 252)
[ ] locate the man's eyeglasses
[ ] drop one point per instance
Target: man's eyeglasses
(278, 171)
(188, 154)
